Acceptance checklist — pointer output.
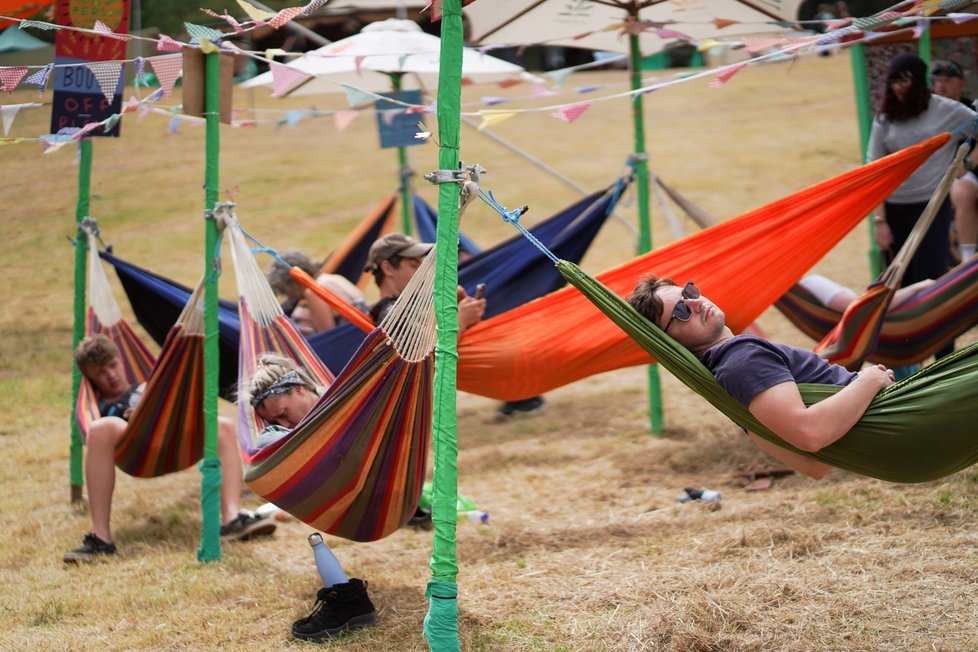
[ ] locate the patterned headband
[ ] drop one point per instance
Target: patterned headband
(284, 383)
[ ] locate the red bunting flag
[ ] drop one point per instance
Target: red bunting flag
(167, 44)
(720, 23)
(571, 113)
(10, 77)
(725, 75)
(106, 31)
(284, 79)
(342, 119)
(167, 69)
(284, 16)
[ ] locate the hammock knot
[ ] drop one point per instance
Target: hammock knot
(89, 226)
(634, 158)
(222, 214)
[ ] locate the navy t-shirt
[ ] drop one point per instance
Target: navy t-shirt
(746, 365)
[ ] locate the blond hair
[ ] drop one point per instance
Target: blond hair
(271, 367)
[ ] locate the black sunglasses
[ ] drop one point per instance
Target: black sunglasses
(681, 311)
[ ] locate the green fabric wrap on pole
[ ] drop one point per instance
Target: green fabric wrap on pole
(916, 430)
(864, 118)
(402, 162)
(441, 621)
(441, 624)
(210, 466)
(644, 224)
(77, 478)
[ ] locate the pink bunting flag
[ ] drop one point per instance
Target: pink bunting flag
(357, 62)
(107, 74)
(105, 30)
(131, 105)
(167, 44)
(540, 90)
(235, 25)
(284, 16)
(343, 119)
(167, 69)
(756, 44)
(10, 77)
(84, 131)
(571, 113)
(284, 79)
(435, 6)
(724, 76)
(664, 33)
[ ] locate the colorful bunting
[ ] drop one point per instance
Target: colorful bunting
(256, 14)
(313, 6)
(571, 113)
(13, 141)
(208, 47)
(491, 101)
(355, 97)
(167, 44)
(559, 76)
(9, 112)
(508, 83)
(961, 18)
(284, 16)
(725, 75)
(107, 73)
(293, 117)
(51, 143)
(38, 25)
(586, 89)
(720, 23)
(284, 79)
(10, 77)
(202, 33)
(490, 118)
(40, 78)
(87, 129)
(105, 30)
(226, 17)
(167, 68)
(343, 119)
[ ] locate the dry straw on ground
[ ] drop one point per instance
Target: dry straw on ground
(586, 548)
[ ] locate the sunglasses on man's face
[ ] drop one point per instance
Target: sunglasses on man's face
(681, 310)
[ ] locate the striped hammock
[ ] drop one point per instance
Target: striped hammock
(354, 467)
(165, 431)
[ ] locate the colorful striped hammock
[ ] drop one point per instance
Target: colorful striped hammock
(165, 432)
(354, 467)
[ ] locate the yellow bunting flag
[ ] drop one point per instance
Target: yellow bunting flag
(490, 118)
(255, 13)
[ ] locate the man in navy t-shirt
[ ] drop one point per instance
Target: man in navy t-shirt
(763, 375)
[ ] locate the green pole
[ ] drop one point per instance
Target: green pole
(210, 466)
(441, 621)
(644, 227)
(864, 118)
(77, 478)
(402, 161)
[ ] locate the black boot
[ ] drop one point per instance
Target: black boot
(339, 608)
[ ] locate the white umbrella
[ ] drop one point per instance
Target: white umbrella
(391, 46)
(562, 22)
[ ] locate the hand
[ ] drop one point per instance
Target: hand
(882, 235)
(470, 311)
(877, 374)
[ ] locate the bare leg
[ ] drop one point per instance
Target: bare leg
(103, 435)
(231, 470)
(964, 197)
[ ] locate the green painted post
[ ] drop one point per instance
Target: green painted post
(864, 118)
(77, 478)
(644, 226)
(441, 621)
(210, 466)
(402, 161)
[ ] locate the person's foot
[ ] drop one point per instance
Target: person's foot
(247, 525)
(340, 608)
(92, 548)
(509, 408)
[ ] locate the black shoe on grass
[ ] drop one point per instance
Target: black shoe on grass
(92, 548)
(340, 608)
(509, 408)
(247, 525)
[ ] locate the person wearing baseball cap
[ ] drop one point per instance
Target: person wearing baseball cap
(948, 81)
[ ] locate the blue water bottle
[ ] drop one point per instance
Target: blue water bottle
(326, 563)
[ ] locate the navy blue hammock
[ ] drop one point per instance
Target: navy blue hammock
(514, 272)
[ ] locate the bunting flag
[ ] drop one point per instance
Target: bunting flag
(167, 68)
(109, 123)
(208, 47)
(174, 125)
(571, 113)
(538, 89)
(10, 77)
(355, 97)
(666, 34)
(201, 33)
(490, 118)
(293, 117)
(343, 119)
(284, 16)
(388, 115)
(492, 100)
(313, 6)
(51, 143)
(107, 74)
(507, 83)
(870, 23)
(40, 78)
(13, 141)
(961, 18)
(720, 23)
(167, 44)
(87, 129)
(559, 76)
(38, 25)
(284, 79)
(755, 44)
(226, 17)
(258, 15)
(105, 30)
(9, 112)
(131, 105)
(357, 62)
(587, 89)
(724, 75)
(435, 7)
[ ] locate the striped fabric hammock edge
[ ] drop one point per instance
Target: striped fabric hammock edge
(354, 467)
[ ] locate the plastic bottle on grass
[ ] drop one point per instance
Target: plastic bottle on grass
(326, 563)
(465, 507)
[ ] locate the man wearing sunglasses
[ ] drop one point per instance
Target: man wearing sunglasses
(763, 375)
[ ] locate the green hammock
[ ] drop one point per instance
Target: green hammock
(916, 430)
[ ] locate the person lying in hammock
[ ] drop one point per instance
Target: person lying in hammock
(282, 394)
(763, 375)
(98, 359)
(838, 297)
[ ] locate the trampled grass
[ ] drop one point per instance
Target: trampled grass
(586, 547)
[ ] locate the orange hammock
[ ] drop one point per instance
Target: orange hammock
(744, 264)
(165, 432)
